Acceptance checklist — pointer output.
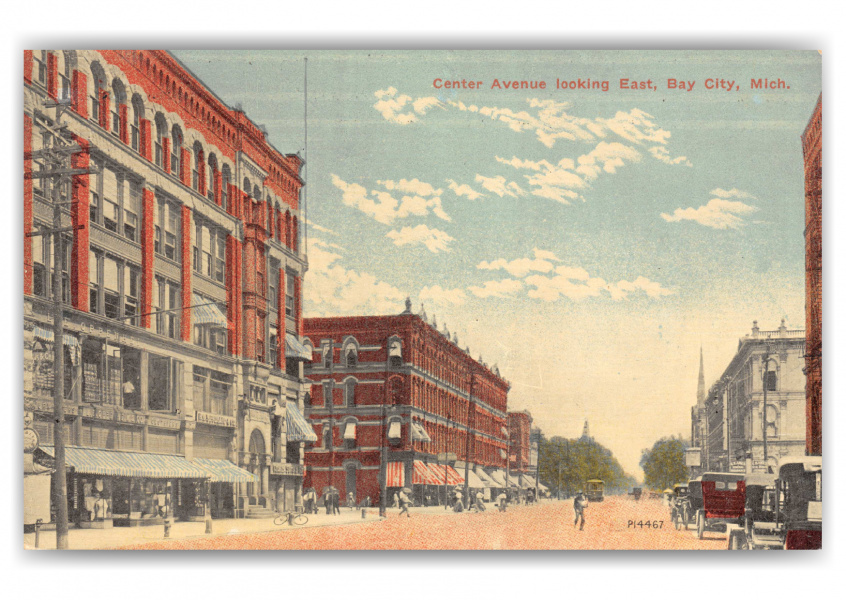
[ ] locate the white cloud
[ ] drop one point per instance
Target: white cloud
(521, 267)
(403, 109)
(497, 289)
(385, 208)
(732, 193)
(438, 295)
(312, 241)
(499, 186)
(434, 239)
(331, 289)
(464, 190)
(718, 213)
(607, 157)
(319, 228)
(662, 154)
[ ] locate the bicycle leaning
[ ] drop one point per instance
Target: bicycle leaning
(290, 518)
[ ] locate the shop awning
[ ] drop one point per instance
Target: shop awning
(394, 430)
(424, 475)
(475, 481)
(395, 475)
(203, 313)
(418, 434)
(542, 487)
(46, 335)
(299, 429)
(349, 431)
(95, 461)
(225, 471)
(528, 479)
(498, 478)
(486, 479)
(294, 349)
(524, 483)
(452, 476)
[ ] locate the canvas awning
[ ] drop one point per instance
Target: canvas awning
(418, 433)
(225, 471)
(529, 480)
(542, 487)
(294, 349)
(299, 429)
(452, 476)
(95, 461)
(395, 474)
(395, 430)
(475, 481)
(498, 478)
(424, 475)
(486, 479)
(204, 312)
(46, 335)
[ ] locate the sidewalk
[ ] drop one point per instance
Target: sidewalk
(116, 537)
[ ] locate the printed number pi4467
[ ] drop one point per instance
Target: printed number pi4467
(645, 524)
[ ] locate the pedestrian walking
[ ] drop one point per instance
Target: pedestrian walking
(580, 503)
(396, 500)
(336, 502)
(403, 503)
(308, 501)
(502, 500)
(351, 501)
(480, 503)
(327, 500)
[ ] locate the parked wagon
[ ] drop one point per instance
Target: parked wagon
(759, 529)
(799, 502)
(680, 513)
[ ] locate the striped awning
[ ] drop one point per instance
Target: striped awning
(224, 470)
(95, 461)
(204, 313)
(294, 349)
(424, 474)
(299, 429)
(418, 433)
(46, 335)
(395, 472)
(452, 476)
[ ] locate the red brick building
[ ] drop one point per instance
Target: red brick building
(812, 152)
(182, 283)
(396, 385)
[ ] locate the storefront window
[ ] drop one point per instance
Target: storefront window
(162, 380)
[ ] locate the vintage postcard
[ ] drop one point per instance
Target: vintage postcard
(426, 300)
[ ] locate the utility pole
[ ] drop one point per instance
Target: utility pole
(470, 410)
(56, 175)
(765, 381)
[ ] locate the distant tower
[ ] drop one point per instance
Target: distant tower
(700, 391)
(586, 431)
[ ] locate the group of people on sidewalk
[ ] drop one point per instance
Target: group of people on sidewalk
(331, 501)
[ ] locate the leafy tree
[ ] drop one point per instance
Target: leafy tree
(577, 460)
(663, 464)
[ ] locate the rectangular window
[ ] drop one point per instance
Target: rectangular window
(135, 135)
(220, 257)
(111, 287)
(290, 308)
(39, 266)
(64, 87)
(195, 179)
(272, 296)
(131, 382)
(160, 383)
(207, 245)
(115, 123)
(172, 316)
(93, 282)
(219, 387)
(198, 238)
(94, 207)
(171, 229)
(95, 108)
(111, 200)
(201, 392)
(132, 205)
(40, 66)
(159, 153)
(131, 293)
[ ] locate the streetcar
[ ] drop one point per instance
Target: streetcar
(595, 489)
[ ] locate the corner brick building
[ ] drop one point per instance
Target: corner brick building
(812, 152)
(182, 285)
(396, 384)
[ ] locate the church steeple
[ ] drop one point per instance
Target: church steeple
(700, 391)
(586, 431)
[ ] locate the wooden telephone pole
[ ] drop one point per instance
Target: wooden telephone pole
(57, 175)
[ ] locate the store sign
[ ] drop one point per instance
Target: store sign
(277, 468)
(163, 423)
(693, 457)
(125, 417)
(212, 419)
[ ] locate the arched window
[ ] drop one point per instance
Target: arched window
(295, 235)
(247, 186)
(176, 151)
(212, 193)
(69, 59)
(101, 94)
(349, 392)
(119, 99)
(161, 136)
(199, 161)
(327, 356)
(276, 229)
(351, 356)
(256, 192)
(395, 352)
(137, 115)
(288, 228)
(771, 381)
(327, 436)
(225, 178)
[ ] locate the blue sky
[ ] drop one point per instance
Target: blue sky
(586, 242)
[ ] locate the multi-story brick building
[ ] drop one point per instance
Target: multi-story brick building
(768, 364)
(519, 433)
(182, 283)
(394, 390)
(812, 151)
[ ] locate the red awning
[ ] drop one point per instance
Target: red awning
(425, 474)
(395, 474)
(453, 477)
